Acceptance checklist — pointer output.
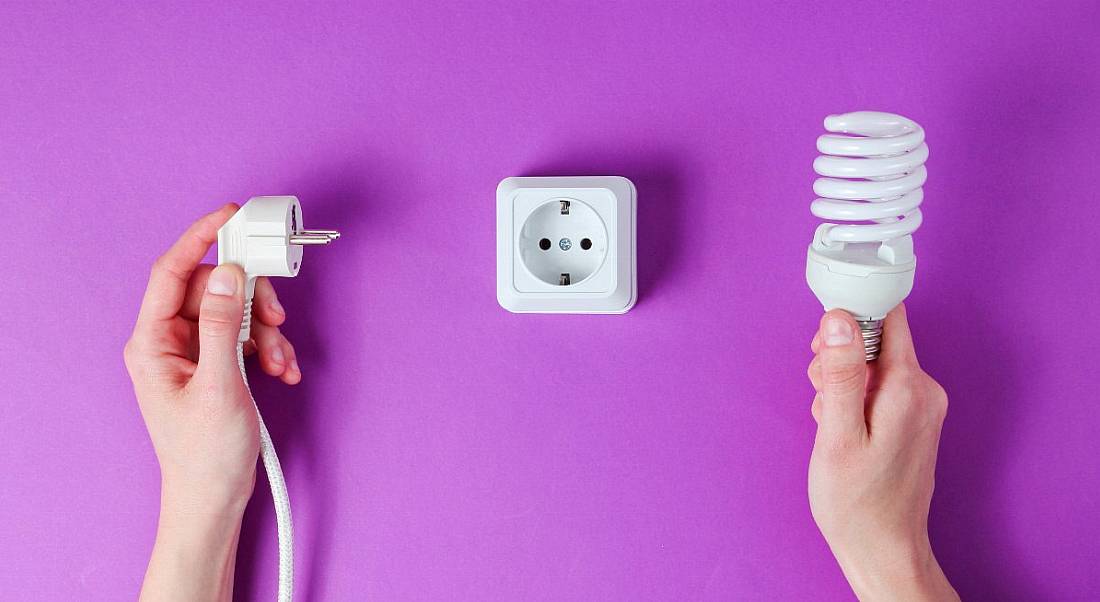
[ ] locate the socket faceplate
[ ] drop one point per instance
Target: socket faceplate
(566, 245)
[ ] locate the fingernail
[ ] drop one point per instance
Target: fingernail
(277, 356)
(277, 307)
(837, 332)
(222, 282)
(294, 366)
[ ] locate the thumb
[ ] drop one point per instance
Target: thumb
(843, 376)
(220, 315)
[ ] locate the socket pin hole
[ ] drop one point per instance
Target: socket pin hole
(544, 244)
(586, 243)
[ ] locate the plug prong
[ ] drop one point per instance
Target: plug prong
(333, 234)
(311, 238)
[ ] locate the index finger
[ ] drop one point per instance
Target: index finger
(168, 279)
(897, 341)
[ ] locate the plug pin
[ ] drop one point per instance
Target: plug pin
(314, 237)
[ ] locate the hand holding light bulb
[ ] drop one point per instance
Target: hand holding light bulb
(873, 466)
(872, 471)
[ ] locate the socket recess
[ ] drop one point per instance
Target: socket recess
(566, 245)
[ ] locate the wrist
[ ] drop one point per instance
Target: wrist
(199, 519)
(205, 494)
(909, 572)
(195, 550)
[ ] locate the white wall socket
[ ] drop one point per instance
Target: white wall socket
(567, 245)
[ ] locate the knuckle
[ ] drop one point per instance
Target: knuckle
(162, 265)
(158, 264)
(845, 377)
(906, 380)
(922, 397)
(214, 329)
(135, 357)
(218, 321)
(129, 351)
(937, 398)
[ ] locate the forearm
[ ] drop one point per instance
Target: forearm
(194, 556)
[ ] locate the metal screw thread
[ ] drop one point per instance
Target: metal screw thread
(871, 330)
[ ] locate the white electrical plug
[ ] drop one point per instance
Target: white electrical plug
(265, 238)
(872, 171)
(566, 245)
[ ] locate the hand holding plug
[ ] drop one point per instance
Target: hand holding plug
(186, 359)
(183, 363)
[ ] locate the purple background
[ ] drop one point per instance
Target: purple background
(441, 448)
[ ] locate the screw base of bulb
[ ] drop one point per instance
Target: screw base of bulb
(871, 330)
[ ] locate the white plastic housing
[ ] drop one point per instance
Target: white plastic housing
(867, 297)
(865, 279)
(592, 240)
(257, 238)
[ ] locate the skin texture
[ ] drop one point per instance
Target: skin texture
(872, 471)
(182, 360)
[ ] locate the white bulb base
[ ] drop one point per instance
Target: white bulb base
(866, 292)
